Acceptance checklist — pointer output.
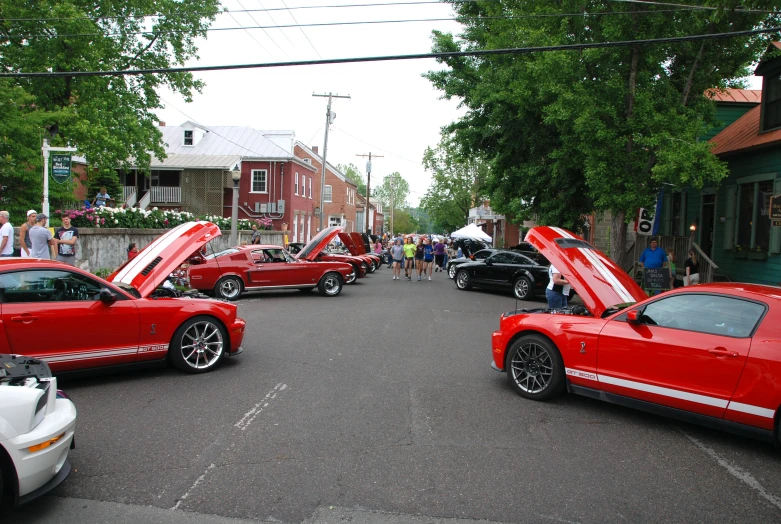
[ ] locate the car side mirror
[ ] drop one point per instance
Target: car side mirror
(633, 317)
(107, 296)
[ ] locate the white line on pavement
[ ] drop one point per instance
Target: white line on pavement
(250, 415)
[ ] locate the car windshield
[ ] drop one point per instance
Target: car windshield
(615, 309)
(224, 252)
(128, 288)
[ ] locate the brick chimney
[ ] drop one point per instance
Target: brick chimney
(314, 148)
(161, 124)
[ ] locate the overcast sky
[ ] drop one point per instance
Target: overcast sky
(393, 111)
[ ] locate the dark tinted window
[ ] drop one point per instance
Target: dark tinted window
(712, 314)
(47, 286)
(485, 253)
(524, 260)
(503, 258)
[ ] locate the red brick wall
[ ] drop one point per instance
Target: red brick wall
(338, 205)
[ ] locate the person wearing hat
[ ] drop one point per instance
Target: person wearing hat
(24, 233)
(41, 238)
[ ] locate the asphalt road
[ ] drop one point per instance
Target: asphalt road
(379, 406)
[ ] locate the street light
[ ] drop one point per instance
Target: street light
(236, 176)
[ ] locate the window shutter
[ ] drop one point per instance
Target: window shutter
(683, 226)
(775, 231)
(667, 204)
(729, 213)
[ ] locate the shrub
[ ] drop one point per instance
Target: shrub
(135, 218)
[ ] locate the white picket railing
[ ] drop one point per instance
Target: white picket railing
(127, 191)
(144, 202)
(166, 194)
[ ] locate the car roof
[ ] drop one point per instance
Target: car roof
(746, 290)
(19, 262)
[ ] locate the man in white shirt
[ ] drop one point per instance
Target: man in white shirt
(558, 289)
(6, 235)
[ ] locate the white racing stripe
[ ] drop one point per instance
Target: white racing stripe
(672, 393)
(102, 353)
(138, 264)
(601, 268)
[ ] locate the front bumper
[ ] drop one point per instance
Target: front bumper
(40, 471)
(236, 333)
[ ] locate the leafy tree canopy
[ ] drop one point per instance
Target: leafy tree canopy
(392, 190)
(354, 175)
(110, 119)
(404, 222)
(569, 132)
(456, 185)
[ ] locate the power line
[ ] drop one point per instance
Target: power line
(250, 34)
(302, 30)
(367, 22)
(438, 56)
(272, 21)
(264, 31)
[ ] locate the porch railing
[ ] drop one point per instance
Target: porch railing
(145, 200)
(166, 194)
(127, 191)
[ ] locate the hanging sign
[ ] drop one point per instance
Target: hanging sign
(656, 278)
(61, 168)
(775, 208)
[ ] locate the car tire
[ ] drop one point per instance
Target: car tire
(534, 368)
(374, 266)
(463, 280)
(228, 288)
(331, 284)
(365, 267)
(451, 271)
(198, 345)
(522, 288)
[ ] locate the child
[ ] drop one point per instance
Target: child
(132, 251)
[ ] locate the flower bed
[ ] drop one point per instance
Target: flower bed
(135, 218)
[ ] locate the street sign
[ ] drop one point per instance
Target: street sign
(775, 208)
(61, 168)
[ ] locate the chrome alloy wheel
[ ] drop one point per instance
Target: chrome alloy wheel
(451, 272)
(350, 278)
(531, 367)
(202, 345)
(462, 280)
(521, 288)
(331, 284)
(230, 288)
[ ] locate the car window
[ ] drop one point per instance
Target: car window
(520, 259)
(275, 255)
(503, 258)
(703, 313)
(47, 286)
(480, 255)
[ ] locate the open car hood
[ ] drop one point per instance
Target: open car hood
(361, 240)
(156, 261)
(351, 246)
(599, 282)
(318, 243)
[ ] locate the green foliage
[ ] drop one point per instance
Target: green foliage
(110, 119)
(404, 223)
(456, 184)
(354, 175)
(109, 180)
(570, 132)
(135, 218)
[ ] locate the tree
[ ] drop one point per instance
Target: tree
(110, 119)
(456, 184)
(354, 175)
(403, 222)
(599, 129)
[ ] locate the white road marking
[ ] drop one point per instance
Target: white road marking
(195, 485)
(250, 415)
(736, 472)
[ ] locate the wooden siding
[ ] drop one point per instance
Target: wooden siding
(726, 114)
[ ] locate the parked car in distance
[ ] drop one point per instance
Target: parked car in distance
(125, 320)
(707, 354)
(37, 424)
(234, 271)
(470, 246)
(353, 242)
(505, 270)
(360, 266)
(453, 263)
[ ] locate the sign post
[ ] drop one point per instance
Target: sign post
(45, 149)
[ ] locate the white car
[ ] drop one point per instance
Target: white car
(37, 424)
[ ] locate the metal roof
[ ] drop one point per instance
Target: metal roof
(743, 134)
(225, 162)
(221, 141)
(739, 96)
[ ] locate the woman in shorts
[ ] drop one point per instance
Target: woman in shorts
(419, 256)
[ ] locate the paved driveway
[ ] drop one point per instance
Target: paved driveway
(379, 406)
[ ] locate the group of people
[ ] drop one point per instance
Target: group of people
(37, 241)
(424, 258)
(655, 257)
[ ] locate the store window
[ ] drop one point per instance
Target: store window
(753, 228)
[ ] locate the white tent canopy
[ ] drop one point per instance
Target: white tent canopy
(471, 231)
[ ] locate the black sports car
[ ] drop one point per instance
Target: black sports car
(453, 263)
(505, 270)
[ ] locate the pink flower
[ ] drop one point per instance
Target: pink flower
(89, 218)
(102, 220)
(165, 221)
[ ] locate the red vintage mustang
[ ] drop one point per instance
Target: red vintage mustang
(354, 244)
(360, 266)
(709, 354)
(264, 267)
(75, 321)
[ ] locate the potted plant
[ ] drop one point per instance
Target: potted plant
(740, 251)
(758, 253)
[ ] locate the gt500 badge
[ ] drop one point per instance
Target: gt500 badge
(581, 374)
(148, 349)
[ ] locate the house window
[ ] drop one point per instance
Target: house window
(771, 101)
(309, 227)
(327, 194)
(310, 188)
(295, 187)
(303, 185)
(295, 229)
(259, 181)
(188, 138)
(753, 229)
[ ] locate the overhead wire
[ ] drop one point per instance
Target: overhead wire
(302, 30)
(250, 34)
(264, 30)
(387, 58)
(272, 20)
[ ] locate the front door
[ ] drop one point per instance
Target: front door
(687, 351)
(708, 224)
(56, 315)
(270, 268)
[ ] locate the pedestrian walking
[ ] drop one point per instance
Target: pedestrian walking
(41, 238)
(6, 235)
(24, 234)
(409, 258)
(67, 236)
(440, 250)
(419, 254)
(397, 255)
(428, 258)
(255, 238)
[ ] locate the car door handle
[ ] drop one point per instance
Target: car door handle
(24, 318)
(723, 352)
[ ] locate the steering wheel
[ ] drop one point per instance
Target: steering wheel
(60, 291)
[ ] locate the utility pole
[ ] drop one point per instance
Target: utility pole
(393, 194)
(368, 183)
(329, 118)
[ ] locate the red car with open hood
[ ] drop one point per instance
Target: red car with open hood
(264, 267)
(708, 354)
(74, 320)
